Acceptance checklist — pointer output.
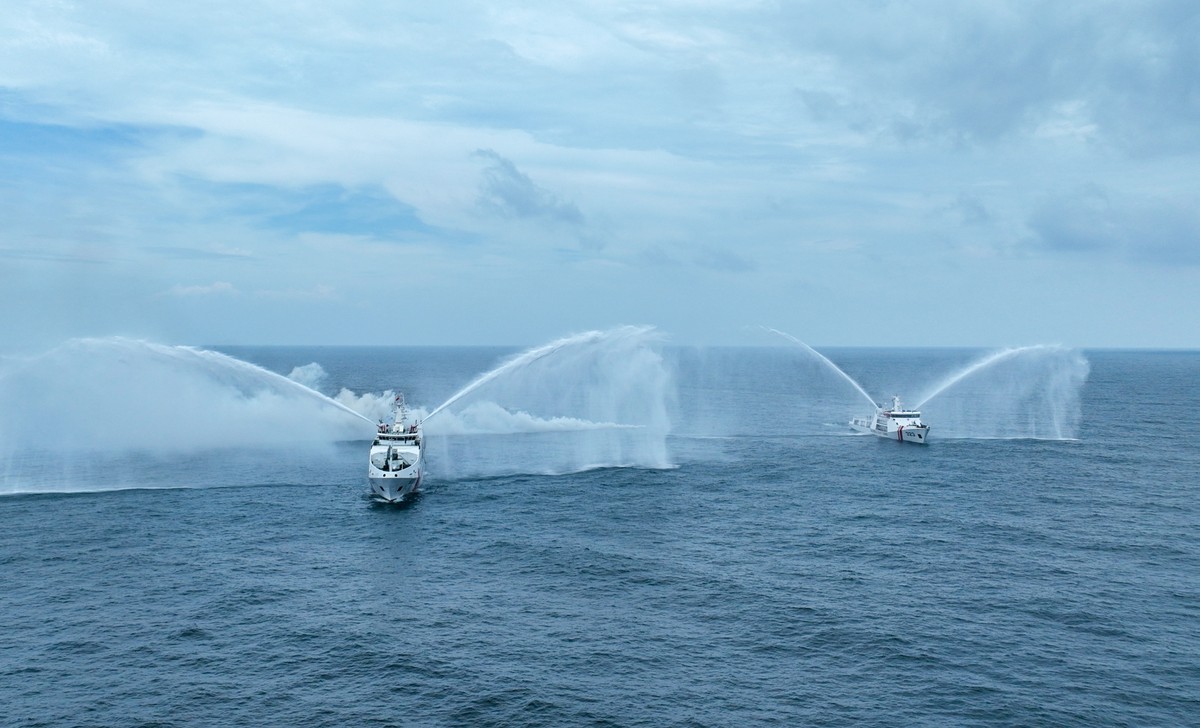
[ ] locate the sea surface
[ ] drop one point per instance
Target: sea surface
(759, 565)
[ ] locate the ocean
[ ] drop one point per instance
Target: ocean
(613, 531)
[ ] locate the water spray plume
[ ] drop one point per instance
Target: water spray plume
(823, 359)
(123, 394)
(987, 361)
(594, 399)
(283, 382)
(532, 355)
(1029, 392)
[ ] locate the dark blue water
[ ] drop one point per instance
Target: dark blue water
(776, 576)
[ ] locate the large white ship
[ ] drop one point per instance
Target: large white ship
(395, 464)
(896, 423)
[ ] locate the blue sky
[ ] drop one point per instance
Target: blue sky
(855, 173)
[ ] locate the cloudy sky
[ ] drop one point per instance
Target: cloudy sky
(855, 173)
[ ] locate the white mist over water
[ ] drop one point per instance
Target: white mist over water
(369, 405)
(489, 418)
(92, 401)
(595, 399)
(311, 375)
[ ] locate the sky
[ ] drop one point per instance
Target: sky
(859, 173)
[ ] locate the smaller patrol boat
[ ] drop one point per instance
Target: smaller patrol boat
(395, 465)
(896, 423)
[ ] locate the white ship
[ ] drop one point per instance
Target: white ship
(896, 423)
(395, 465)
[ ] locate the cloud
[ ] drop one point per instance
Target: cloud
(984, 72)
(970, 210)
(76, 256)
(508, 191)
(28, 140)
(327, 207)
(722, 260)
(185, 253)
(218, 288)
(336, 209)
(712, 258)
(1160, 231)
(621, 153)
(319, 292)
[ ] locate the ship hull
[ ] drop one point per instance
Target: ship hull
(916, 434)
(394, 487)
